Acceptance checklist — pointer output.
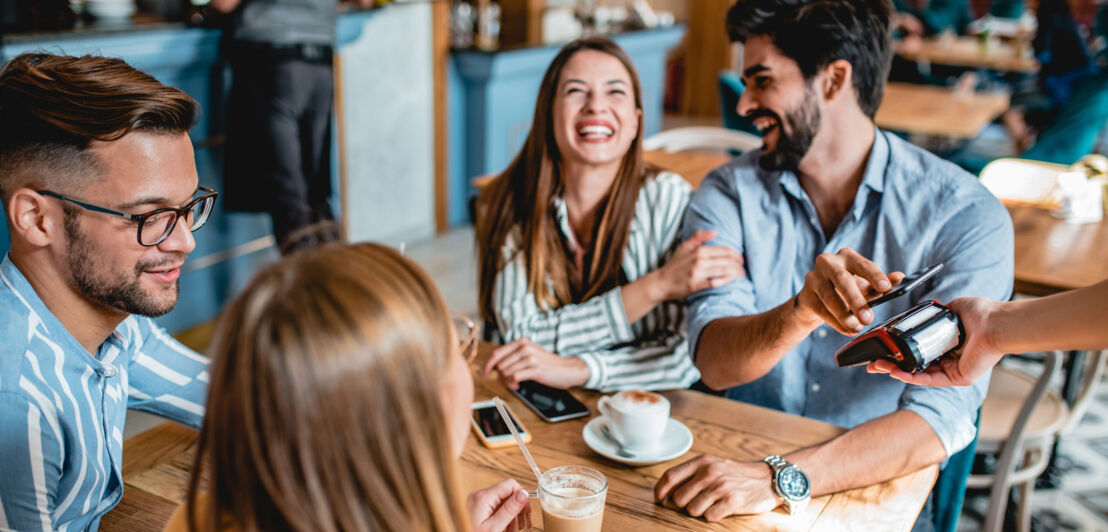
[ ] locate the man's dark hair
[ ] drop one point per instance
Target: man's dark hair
(52, 107)
(815, 33)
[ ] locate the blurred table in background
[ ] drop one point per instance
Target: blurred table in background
(969, 52)
(938, 111)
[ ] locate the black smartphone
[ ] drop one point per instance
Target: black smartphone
(551, 404)
(907, 285)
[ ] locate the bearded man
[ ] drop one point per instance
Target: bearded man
(101, 194)
(821, 212)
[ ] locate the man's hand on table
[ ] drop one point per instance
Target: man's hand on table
(716, 488)
(523, 360)
(838, 288)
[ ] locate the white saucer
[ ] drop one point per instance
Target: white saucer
(676, 441)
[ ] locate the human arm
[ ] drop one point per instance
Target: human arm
(166, 378)
(1069, 321)
(871, 453)
(31, 457)
(502, 506)
(735, 341)
(660, 363)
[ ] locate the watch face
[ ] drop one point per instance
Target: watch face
(793, 483)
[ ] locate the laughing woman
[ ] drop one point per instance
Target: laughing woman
(580, 269)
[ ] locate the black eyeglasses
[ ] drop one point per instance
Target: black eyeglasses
(155, 226)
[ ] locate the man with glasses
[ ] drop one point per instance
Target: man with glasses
(101, 194)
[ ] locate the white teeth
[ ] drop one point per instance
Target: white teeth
(596, 130)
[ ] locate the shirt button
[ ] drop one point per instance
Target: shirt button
(109, 371)
(822, 333)
(815, 387)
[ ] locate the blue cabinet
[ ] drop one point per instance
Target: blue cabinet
(492, 99)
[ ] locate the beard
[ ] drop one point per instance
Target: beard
(793, 141)
(119, 291)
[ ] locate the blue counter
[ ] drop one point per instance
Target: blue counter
(492, 99)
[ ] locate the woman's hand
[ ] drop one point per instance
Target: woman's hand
(500, 507)
(978, 355)
(522, 360)
(695, 267)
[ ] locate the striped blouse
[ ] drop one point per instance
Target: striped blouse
(62, 410)
(649, 354)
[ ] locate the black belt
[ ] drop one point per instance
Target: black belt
(312, 53)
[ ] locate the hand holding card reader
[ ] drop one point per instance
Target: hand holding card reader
(551, 404)
(912, 339)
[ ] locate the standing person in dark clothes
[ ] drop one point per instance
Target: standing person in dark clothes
(279, 132)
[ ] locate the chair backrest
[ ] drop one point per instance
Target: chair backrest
(1074, 131)
(1094, 370)
(730, 90)
(702, 138)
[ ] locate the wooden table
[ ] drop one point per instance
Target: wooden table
(1053, 255)
(156, 465)
(968, 52)
(938, 111)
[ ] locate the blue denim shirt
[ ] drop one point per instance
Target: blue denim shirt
(911, 210)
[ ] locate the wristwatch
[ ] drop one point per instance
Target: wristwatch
(790, 484)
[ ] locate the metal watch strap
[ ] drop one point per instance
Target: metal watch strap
(777, 463)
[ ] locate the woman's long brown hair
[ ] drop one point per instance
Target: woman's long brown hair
(323, 411)
(522, 198)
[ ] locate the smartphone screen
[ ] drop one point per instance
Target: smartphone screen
(491, 424)
(907, 285)
(551, 404)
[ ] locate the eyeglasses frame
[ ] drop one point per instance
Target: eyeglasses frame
(140, 219)
(469, 343)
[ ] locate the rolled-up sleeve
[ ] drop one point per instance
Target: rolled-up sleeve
(165, 377)
(976, 247)
(715, 207)
(31, 456)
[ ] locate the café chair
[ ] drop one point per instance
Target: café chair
(703, 139)
(1020, 420)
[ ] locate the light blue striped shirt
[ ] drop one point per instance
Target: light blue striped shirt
(62, 411)
(911, 210)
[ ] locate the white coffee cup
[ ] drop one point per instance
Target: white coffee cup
(636, 419)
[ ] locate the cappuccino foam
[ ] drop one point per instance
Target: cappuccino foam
(638, 400)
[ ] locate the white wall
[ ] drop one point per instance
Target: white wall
(388, 127)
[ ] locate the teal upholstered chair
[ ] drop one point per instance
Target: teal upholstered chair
(1074, 131)
(730, 89)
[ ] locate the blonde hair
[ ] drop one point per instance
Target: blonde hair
(323, 410)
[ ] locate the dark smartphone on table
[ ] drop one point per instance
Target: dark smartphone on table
(907, 285)
(551, 404)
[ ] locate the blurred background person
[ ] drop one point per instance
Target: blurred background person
(278, 156)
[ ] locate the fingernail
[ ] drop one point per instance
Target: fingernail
(883, 285)
(866, 315)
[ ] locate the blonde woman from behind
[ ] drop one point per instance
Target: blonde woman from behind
(339, 400)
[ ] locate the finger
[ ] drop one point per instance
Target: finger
(509, 509)
(841, 318)
(880, 366)
(500, 353)
(700, 237)
(674, 477)
(722, 509)
(847, 289)
(521, 362)
(866, 269)
(720, 252)
(705, 499)
(690, 490)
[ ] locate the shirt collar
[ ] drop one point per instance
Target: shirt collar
(561, 216)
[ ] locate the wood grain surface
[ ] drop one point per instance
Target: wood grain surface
(157, 465)
(938, 111)
(968, 52)
(1053, 255)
